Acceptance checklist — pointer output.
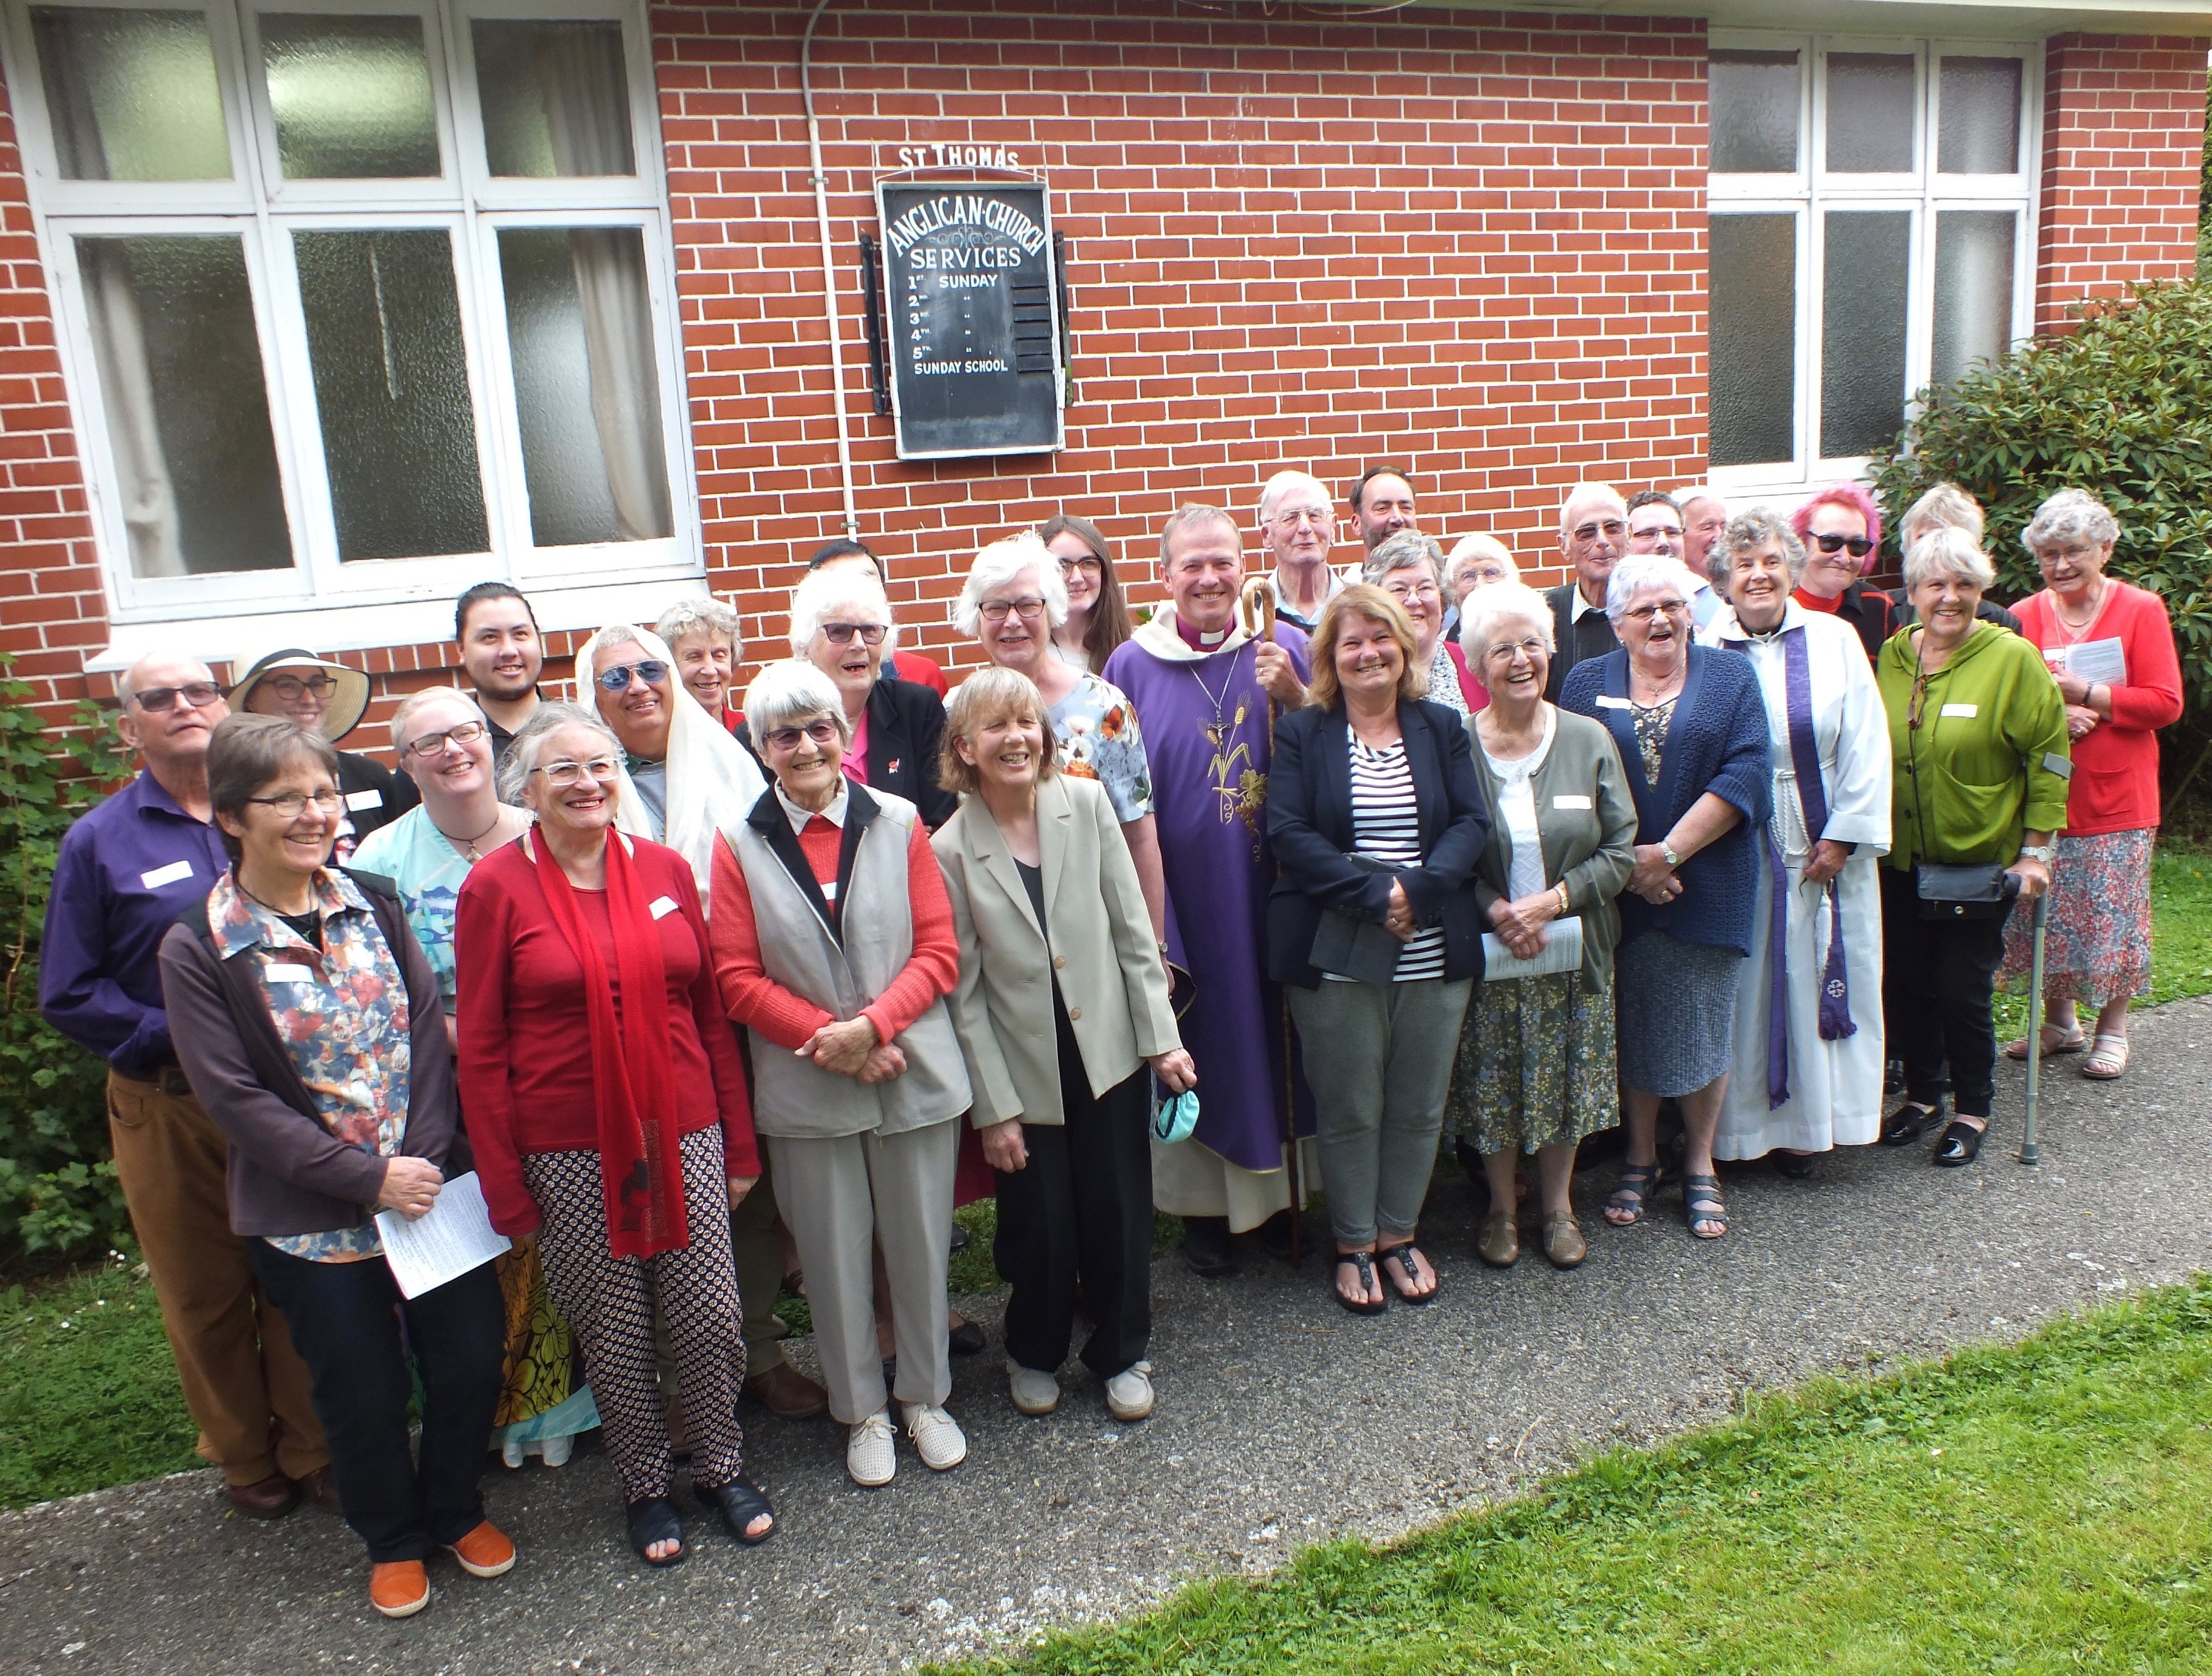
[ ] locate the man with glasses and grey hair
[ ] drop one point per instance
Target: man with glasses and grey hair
(1297, 529)
(1593, 534)
(127, 869)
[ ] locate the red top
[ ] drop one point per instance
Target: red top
(1470, 685)
(526, 1046)
(753, 998)
(2115, 785)
(912, 667)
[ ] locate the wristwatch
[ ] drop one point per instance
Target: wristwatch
(2046, 853)
(1666, 852)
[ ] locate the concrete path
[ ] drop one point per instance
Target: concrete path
(1282, 1420)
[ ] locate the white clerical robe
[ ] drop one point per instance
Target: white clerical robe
(1835, 1087)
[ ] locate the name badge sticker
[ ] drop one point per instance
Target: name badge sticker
(158, 876)
(1963, 711)
(282, 972)
(1570, 800)
(663, 907)
(1607, 702)
(358, 801)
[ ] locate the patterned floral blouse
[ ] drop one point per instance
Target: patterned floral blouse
(342, 1013)
(1096, 728)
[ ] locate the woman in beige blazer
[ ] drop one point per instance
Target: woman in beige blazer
(1062, 1003)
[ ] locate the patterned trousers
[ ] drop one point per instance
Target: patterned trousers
(609, 1301)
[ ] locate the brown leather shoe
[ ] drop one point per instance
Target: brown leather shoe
(787, 1393)
(1501, 1240)
(321, 1487)
(272, 1498)
(398, 1587)
(1563, 1245)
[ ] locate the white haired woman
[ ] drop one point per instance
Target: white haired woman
(1808, 1028)
(1978, 742)
(1410, 568)
(1012, 603)
(1052, 923)
(2110, 647)
(704, 638)
(841, 622)
(1535, 1071)
(834, 946)
(1691, 726)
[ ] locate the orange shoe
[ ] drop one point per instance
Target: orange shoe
(398, 1587)
(485, 1552)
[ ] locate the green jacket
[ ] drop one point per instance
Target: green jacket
(1989, 759)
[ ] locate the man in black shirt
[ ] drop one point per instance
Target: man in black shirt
(501, 654)
(1593, 534)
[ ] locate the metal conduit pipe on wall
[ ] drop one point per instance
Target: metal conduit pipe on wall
(819, 177)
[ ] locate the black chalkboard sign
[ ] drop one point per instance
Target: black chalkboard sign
(975, 328)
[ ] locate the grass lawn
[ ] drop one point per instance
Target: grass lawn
(2040, 1507)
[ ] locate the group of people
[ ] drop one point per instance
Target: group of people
(1275, 890)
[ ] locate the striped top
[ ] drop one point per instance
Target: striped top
(1386, 825)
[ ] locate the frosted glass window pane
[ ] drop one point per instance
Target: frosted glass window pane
(132, 95)
(181, 380)
(399, 441)
(1752, 339)
(555, 100)
(1973, 288)
(1978, 105)
(351, 96)
(586, 384)
(1870, 112)
(1753, 104)
(1866, 270)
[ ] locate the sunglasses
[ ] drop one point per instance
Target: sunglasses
(197, 694)
(651, 670)
(1857, 546)
(822, 732)
(841, 633)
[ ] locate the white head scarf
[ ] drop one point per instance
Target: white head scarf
(713, 780)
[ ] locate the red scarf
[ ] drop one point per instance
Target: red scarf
(640, 1158)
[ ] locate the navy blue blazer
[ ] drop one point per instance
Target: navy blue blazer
(1716, 742)
(1309, 830)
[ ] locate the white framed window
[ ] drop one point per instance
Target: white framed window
(361, 301)
(1871, 209)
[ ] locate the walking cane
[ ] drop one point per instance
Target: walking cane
(2034, 1031)
(1255, 610)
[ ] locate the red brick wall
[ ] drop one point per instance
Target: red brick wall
(2122, 148)
(1471, 242)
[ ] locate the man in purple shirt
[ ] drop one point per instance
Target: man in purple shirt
(127, 869)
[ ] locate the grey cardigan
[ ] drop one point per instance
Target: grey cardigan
(1590, 838)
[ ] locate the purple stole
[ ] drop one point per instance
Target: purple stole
(1836, 1020)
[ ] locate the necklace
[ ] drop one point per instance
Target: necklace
(2075, 630)
(467, 846)
(270, 905)
(1661, 690)
(1217, 700)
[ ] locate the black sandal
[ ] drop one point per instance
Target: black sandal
(1909, 1122)
(1365, 1263)
(739, 1502)
(1402, 1254)
(1701, 1202)
(1961, 1144)
(1633, 1192)
(1796, 1166)
(654, 1519)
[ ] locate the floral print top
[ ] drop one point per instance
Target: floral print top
(1096, 728)
(341, 1011)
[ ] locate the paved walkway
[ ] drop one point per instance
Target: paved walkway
(1282, 1420)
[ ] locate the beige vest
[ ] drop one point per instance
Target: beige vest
(795, 1097)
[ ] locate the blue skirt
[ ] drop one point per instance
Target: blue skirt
(1676, 1006)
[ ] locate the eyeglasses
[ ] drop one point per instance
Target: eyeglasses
(1645, 613)
(998, 611)
(434, 745)
(1612, 529)
(197, 694)
(1412, 589)
(291, 687)
(1505, 652)
(1291, 516)
(565, 774)
(1089, 567)
(1671, 531)
(290, 805)
(651, 670)
(822, 730)
(841, 633)
(1917, 706)
(1858, 546)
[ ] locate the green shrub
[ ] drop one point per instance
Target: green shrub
(59, 1197)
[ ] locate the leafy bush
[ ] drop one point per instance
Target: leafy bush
(59, 1197)
(2121, 407)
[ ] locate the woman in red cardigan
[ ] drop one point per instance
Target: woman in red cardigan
(2110, 647)
(604, 1095)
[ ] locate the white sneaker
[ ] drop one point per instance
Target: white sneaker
(1129, 1392)
(1034, 1393)
(937, 1436)
(869, 1456)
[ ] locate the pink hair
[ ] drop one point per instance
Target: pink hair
(1843, 494)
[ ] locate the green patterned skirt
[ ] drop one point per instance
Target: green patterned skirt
(1536, 1066)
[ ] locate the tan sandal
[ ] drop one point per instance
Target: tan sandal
(2109, 1062)
(2071, 1042)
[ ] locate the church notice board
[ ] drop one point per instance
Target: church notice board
(975, 328)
